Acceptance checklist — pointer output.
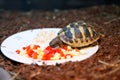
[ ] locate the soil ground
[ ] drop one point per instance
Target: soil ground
(104, 65)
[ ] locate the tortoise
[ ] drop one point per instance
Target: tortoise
(76, 34)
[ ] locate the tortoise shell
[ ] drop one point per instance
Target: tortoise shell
(76, 34)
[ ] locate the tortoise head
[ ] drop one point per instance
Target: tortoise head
(55, 42)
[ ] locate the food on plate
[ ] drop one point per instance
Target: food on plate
(48, 53)
(76, 34)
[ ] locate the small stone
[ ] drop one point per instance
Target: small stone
(4, 75)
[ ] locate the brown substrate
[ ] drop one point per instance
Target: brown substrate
(104, 65)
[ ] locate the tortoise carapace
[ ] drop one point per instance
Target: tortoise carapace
(76, 34)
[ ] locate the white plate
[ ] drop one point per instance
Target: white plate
(21, 39)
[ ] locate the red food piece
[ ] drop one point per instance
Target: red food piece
(48, 48)
(30, 52)
(48, 55)
(27, 47)
(77, 50)
(36, 46)
(18, 51)
(34, 55)
(58, 50)
(65, 47)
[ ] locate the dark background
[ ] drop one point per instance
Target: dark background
(52, 4)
